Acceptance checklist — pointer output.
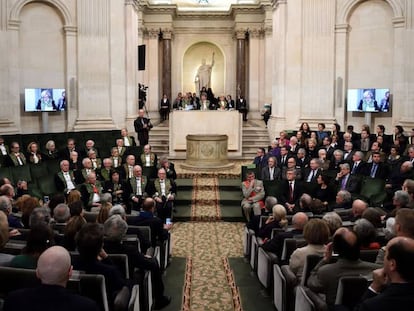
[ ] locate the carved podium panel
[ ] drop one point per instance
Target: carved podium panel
(183, 123)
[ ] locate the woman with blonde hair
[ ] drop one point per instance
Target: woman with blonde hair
(316, 234)
(278, 220)
(73, 196)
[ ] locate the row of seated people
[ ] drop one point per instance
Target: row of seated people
(92, 241)
(340, 251)
(13, 155)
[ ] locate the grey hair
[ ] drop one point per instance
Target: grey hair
(61, 213)
(270, 202)
(365, 231)
(338, 151)
(333, 220)
(115, 228)
(105, 198)
(40, 215)
(345, 165)
(345, 195)
(5, 204)
(402, 196)
(117, 210)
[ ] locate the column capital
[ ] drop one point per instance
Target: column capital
(241, 33)
(153, 33)
(256, 32)
(167, 33)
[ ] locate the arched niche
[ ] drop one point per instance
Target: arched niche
(192, 60)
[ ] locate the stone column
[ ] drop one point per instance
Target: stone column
(241, 86)
(152, 66)
(255, 74)
(166, 62)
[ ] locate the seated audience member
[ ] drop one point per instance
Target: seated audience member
(323, 159)
(325, 276)
(376, 169)
(127, 169)
(254, 222)
(103, 214)
(275, 245)
(6, 208)
(28, 206)
(403, 227)
(163, 191)
(115, 230)
(159, 230)
(321, 133)
(73, 196)
(137, 188)
(260, 160)
(337, 160)
(277, 220)
(115, 157)
(312, 148)
(401, 199)
(293, 145)
(253, 195)
(55, 200)
(358, 208)
(292, 190)
(397, 176)
(333, 220)
(283, 157)
(117, 188)
(96, 162)
(5, 259)
(90, 146)
(75, 163)
(148, 158)
(274, 150)
(343, 200)
(375, 148)
(129, 141)
(51, 152)
(91, 191)
(54, 270)
(292, 165)
(82, 175)
(325, 191)
(94, 260)
(33, 153)
(374, 216)
(39, 239)
(169, 168)
(65, 178)
(311, 173)
(15, 157)
(316, 234)
(106, 200)
(366, 234)
(61, 213)
(105, 171)
(302, 160)
(346, 181)
(392, 287)
(271, 171)
(121, 148)
(70, 147)
(358, 166)
(305, 204)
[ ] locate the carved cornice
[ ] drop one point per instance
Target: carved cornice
(241, 33)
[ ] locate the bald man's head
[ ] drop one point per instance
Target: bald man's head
(399, 256)
(299, 220)
(346, 244)
(54, 266)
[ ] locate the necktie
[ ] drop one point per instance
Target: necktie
(354, 168)
(343, 183)
(95, 189)
(139, 190)
(290, 191)
(374, 170)
(311, 175)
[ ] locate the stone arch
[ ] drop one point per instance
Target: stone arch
(58, 4)
(346, 10)
(192, 56)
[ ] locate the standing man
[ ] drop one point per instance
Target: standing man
(142, 126)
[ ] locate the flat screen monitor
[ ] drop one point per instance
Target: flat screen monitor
(368, 100)
(44, 99)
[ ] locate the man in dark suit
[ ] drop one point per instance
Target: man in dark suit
(142, 126)
(275, 245)
(260, 160)
(292, 191)
(312, 172)
(358, 165)
(376, 169)
(163, 192)
(393, 285)
(325, 276)
(54, 270)
(271, 171)
(64, 154)
(346, 181)
(15, 157)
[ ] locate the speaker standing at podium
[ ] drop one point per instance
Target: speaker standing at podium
(142, 126)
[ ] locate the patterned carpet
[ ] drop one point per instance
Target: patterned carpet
(207, 242)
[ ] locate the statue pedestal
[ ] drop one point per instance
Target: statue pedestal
(207, 152)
